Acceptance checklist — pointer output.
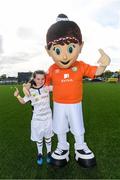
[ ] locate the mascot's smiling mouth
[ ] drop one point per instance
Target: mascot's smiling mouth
(66, 62)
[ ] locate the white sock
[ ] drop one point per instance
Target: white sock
(40, 146)
(48, 144)
(62, 142)
(79, 141)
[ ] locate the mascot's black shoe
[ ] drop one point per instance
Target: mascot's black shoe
(60, 157)
(85, 157)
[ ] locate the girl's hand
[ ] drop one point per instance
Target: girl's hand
(16, 93)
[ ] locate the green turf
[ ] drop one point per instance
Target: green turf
(101, 108)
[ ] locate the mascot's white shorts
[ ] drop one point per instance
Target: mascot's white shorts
(68, 117)
(40, 129)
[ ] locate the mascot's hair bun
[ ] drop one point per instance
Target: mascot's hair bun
(63, 32)
(62, 17)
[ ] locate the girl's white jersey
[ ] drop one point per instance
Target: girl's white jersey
(40, 100)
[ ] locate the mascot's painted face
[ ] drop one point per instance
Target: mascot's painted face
(65, 55)
(64, 42)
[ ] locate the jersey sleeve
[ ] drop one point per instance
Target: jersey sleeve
(88, 70)
(26, 99)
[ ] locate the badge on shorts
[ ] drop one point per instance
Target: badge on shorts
(74, 69)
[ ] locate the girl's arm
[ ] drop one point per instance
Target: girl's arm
(17, 95)
(26, 88)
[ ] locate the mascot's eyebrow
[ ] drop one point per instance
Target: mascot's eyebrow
(54, 44)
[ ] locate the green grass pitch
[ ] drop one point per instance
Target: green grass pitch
(101, 108)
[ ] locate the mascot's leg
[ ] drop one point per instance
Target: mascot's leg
(83, 155)
(60, 156)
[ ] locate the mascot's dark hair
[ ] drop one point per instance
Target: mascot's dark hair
(63, 32)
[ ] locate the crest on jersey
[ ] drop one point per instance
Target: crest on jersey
(37, 99)
(74, 69)
(46, 90)
(33, 95)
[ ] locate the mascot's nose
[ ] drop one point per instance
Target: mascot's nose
(64, 57)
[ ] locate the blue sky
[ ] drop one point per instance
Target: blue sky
(24, 23)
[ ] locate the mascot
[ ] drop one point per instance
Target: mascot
(64, 44)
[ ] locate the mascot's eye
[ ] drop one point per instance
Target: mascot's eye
(70, 49)
(57, 50)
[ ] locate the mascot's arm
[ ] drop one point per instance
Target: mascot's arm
(49, 88)
(48, 77)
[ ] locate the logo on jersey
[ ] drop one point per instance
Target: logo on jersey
(46, 90)
(66, 76)
(74, 69)
(66, 79)
(33, 95)
(37, 99)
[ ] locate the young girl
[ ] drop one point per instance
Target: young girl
(41, 123)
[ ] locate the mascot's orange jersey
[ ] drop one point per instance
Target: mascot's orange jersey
(67, 83)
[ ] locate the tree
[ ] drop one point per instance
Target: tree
(3, 76)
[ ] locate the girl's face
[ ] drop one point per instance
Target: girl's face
(39, 79)
(65, 55)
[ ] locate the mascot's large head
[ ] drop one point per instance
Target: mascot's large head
(64, 41)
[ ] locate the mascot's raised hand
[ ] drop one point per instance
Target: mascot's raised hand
(103, 62)
(104, 59)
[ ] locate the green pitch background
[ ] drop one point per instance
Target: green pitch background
(101, 108)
